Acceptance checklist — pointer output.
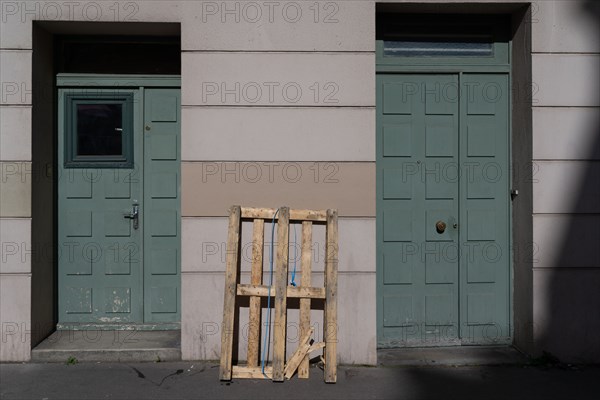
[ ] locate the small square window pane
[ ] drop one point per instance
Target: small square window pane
(438, 49)
(99, 129)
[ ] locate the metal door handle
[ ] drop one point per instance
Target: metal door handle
(440, 226)
(134, 215)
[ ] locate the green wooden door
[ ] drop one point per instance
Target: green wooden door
(485, 209)
(162, 250)
(442, 211)
(118, 213)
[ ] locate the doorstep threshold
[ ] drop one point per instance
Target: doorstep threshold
(109, 346)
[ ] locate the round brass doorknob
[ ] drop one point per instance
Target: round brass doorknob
(440, 226)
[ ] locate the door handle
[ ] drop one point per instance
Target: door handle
(135, 212)
(440, 226)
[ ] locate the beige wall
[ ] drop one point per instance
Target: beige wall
(334, 61)
(281, 114)
(15, 203)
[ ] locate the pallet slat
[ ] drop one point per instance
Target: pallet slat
(305, 281)
(296, 215)
(233, 239)
(251, 372)
(291, 291)
(256, 279)
(316, 346)
(299, 354)
(331, 267)
(281, 274)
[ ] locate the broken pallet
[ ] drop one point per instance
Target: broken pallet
(280, 292)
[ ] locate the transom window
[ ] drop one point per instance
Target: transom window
(441, 39)
(430, 48)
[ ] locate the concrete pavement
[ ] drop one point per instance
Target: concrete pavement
(199, 380)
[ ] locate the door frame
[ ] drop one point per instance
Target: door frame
(441, 65)
(121, 82)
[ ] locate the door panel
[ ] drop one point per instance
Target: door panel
(417, 146)
(162, 124)
(100, 260)
(442, 157)
(484, 202)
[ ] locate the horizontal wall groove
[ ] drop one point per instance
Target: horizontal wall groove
(268, 107)
(551, 106)
(566, 159)
(570, 214)
(273, 107)
(248, 273)
(24, 274)
(281, 161)
(579, 268)
(324, 52)
(372, 218)
(342, 216)
(565, 53)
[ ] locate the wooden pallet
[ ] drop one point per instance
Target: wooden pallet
(280, 292)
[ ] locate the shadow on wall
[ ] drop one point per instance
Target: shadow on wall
(567, 323)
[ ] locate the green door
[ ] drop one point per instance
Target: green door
(442, 211)
(118, 213)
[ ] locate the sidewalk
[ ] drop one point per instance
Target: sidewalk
(199, 380)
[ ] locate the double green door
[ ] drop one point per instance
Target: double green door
(443, 209)
(118, 207)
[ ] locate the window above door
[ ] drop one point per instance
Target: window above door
(459, 47)
(442, 39)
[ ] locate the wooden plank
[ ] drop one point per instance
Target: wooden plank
(281, 275)
(296, 215)
(256, 279)
(302, 353)
(331, 267)
(316, 346)
(305, 281)
(292, 291)
(299, 354)
(251, 372)
(233, 242)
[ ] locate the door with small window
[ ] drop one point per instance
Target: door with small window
(118, 207)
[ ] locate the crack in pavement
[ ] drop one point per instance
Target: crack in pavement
(142, 376)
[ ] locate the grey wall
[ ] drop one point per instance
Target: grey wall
(43, 194)
(566, 179)
(522, 204)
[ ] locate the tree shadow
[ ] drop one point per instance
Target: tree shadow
(497, 382)
(567, 285)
